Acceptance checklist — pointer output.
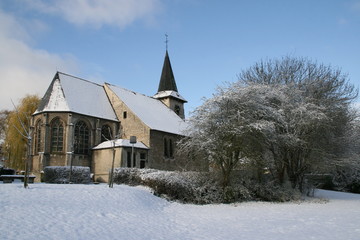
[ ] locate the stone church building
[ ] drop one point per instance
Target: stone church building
(79, 123)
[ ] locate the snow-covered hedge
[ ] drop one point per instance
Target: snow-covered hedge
(273, 192)
(187, 187)
(6, 171)
(347, 178)
(200, 187)
(61, 174)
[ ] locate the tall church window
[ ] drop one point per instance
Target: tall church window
(166, 152)
(168, 148)
(38, 147)
(81, 138)
(171, 148)
(57, 136)
(106, 133)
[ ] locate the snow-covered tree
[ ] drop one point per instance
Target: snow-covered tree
(282, 116)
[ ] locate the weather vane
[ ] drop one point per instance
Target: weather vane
(166, 40)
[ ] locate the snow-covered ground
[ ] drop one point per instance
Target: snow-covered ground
(48, 211)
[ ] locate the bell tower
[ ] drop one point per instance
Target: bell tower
(167, 91)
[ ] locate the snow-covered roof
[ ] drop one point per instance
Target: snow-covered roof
(119, 143)
(72, 94)
(151, 111)
(169, 93)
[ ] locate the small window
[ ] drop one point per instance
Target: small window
(177, 109)
(128, 160)
(124, 114)
(142, 156)
(105, 133)
(129, 163)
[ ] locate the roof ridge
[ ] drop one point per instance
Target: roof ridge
(128, 90)
(85, 80)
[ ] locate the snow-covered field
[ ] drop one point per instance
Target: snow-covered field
(48, 211)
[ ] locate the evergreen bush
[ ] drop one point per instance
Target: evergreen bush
(61, 174)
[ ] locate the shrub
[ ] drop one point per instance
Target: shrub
(274, 193)
(347, 178)
(130, 176)
(186, 187)
(201, 187)
(61, 174)
(6, 171)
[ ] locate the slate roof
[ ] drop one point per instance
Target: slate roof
(152, 112)
(67, 93)
(167, 79)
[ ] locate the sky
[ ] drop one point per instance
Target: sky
(122, 42)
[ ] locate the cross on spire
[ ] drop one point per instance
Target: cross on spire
(166, 40)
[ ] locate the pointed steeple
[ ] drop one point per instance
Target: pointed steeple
(168, 92)
(167, 79)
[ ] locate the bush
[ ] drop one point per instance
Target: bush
(274, 193)
(354, 187)
(6, 171)
(201, 187)
(61, 174)
(347, 178)
(186, 187)
(130, 176)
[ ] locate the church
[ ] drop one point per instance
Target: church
(81, 123)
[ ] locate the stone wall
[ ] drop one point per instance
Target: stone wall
(102, 160)
(131, 125)
(45, 157)
(172, 103)
(159, 160)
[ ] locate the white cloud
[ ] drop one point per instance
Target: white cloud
(24, 70)
(97, 13)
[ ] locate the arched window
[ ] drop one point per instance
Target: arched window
(38, 147)
(81, 138)
(106, 133)
(57, 136)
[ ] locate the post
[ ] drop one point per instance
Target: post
(132, 142)
(111, 177)
(27, 164)
(71, 165)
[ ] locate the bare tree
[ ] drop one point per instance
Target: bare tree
(19, 135)
(18, 122)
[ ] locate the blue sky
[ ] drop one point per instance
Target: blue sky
(210, 42)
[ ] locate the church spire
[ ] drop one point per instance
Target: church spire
(167, 91)
(167, 79)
